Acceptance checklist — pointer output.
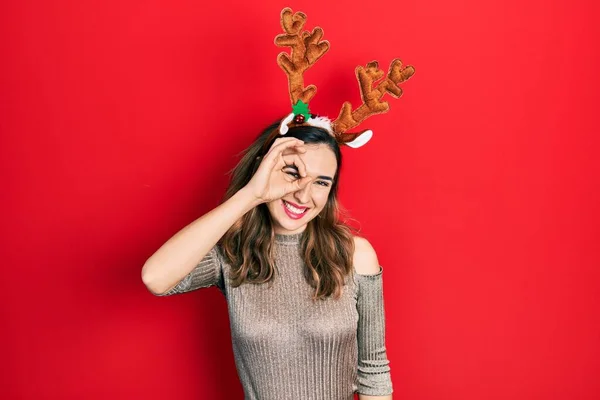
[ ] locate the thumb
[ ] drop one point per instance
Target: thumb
(301, 183)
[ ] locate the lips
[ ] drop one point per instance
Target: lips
(292, 214)
(295, 205)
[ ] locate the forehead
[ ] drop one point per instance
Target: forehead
(319, 160)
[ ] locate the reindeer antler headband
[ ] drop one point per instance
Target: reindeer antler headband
(306, 49)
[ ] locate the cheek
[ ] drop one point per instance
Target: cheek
(272, 207)
(320, 199)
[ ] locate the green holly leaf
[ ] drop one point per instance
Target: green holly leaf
(301, 108)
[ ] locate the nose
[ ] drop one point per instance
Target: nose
(303, 195)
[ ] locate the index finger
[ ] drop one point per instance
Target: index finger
(295, 159)
(277, 148)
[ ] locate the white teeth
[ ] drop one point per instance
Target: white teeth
(293, 209)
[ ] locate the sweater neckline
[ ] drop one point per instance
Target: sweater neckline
(293, 238)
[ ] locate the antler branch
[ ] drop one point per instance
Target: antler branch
(306, 49)
(371, 96)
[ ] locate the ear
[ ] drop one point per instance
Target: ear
(283, 126)
(361, 139)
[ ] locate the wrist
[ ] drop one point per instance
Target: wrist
(248, 198)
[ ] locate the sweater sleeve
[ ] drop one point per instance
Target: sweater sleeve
(373, 365)
(208, 272)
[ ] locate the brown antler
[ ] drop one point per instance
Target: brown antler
(306, 49)
(371, 96)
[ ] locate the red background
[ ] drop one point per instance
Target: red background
(479, 190)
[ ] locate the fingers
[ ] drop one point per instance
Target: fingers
(299, 184)
(281, 144)
(302, 183)
(295, 159)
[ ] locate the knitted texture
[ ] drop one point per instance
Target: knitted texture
(288, 347)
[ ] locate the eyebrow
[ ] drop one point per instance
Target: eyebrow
(293, 166)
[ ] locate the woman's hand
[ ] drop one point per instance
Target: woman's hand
(269, 181)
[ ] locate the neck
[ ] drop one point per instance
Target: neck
(292, 238)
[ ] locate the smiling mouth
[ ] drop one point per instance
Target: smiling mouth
(293, 211)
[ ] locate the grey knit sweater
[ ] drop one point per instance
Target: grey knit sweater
(287, 347)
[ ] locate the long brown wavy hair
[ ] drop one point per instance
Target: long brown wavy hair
(327, 242)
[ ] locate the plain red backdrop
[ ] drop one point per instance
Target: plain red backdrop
(479, 190)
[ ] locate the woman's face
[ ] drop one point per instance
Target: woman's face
(321, 165)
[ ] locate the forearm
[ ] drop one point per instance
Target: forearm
(180, 254)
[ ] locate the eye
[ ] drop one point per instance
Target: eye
(297, 176)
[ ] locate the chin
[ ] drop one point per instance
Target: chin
(289, 225)
(285, 223)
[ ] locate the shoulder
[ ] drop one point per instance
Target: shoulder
(365, 259)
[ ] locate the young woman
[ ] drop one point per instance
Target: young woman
(304, 293)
